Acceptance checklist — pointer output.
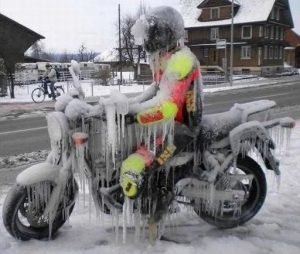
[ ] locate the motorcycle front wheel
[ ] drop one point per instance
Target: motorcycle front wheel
(255, 192)
(24, 222)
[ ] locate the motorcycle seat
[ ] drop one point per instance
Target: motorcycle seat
(215, 127)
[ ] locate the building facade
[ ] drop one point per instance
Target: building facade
(258, 34)
(292, 51)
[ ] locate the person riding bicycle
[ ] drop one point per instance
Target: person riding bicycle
(49, 77)
(175, 94)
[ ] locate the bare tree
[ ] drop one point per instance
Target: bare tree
(82, 52)
(37, 49)
(91, 55)
(131, 53)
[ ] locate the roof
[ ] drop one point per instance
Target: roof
(250, 11)
(206, 3)
(38, 36)
(108, 56)
(15, 39)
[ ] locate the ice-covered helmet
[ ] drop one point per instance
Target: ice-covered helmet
(159, 29)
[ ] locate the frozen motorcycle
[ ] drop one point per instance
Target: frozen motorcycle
(214, 172)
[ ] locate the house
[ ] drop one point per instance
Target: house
(259, 28)
(15, 39)
(292, 51)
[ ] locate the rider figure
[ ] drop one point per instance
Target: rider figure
(50, 77)
(175, 93)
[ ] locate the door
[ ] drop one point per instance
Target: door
(213, 56)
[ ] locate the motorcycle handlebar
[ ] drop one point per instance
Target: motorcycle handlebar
(129, 118)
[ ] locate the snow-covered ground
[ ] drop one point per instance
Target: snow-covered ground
(23, 94)
(275, 229)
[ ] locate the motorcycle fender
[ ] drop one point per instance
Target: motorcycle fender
(38, 173)
(250, 130)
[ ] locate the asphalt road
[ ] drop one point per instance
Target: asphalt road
(30, 134)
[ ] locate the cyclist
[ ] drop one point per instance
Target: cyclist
(50, 77)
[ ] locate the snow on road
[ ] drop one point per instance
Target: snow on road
(275, 229)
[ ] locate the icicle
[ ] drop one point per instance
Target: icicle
(124, 215)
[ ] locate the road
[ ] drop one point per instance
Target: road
(30, 134)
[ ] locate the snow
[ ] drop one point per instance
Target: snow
(250, 11)
(275, 229)
(23, 94)
(107, 56)
(23, 159)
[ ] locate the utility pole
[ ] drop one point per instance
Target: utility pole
(120, 49)
(231, 43)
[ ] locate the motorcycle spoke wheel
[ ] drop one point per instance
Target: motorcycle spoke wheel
(255, 193)
(25, 221)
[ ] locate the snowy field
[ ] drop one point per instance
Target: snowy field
(275, 229)
(23, 94)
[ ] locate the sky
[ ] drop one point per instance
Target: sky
(67, 24)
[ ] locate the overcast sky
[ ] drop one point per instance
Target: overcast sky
(68, 23)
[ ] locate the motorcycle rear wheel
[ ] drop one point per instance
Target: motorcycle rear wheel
(255, 200)
(25, 225)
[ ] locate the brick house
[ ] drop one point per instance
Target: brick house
(259, 28)
(292, 51)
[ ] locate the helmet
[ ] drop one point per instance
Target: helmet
(159, 29)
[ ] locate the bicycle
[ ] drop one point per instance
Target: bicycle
(38, 94)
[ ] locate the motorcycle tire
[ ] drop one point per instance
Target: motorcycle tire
(17, 222)
(255, 200)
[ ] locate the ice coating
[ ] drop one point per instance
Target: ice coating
(170, 16)
(62, 102)
(77, 108)
(75, 71)
(161, 28)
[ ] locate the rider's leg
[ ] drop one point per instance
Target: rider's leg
(45, 85)
(132, 170)
(52, 89)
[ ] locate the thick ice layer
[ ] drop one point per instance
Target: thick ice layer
(77, 108)
(62, 102)
(75, 71)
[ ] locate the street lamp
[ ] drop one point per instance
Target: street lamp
(231, 44)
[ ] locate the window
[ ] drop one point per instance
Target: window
(280, 52)
(246, 32)
(266, 31)
(186, 36)
(281, 33)
(214, 34)
(277, 31)
(266, 52)
(270, 52)
(261, 31)
(277, 13)
(206, 52)
(246, 52)
(272, 32)
(276, 52)
(214, 13)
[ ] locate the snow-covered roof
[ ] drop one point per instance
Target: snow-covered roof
(111, 55)
(250, 11)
